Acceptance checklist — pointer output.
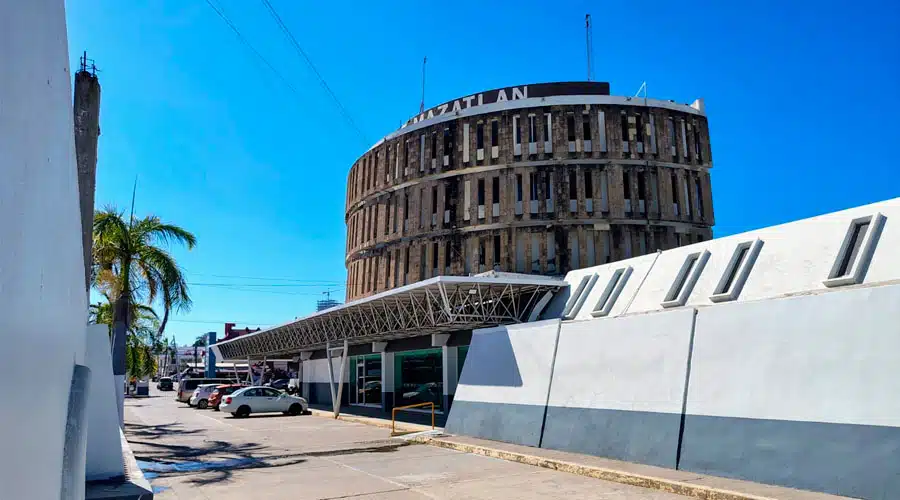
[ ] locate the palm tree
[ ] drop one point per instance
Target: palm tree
(200, 341)
(130, 266)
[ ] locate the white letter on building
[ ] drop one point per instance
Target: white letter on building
(520, 93)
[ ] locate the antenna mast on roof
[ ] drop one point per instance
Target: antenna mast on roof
(589, 40)
(642, 88)
(422, 103)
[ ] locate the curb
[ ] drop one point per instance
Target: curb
(375, 422)
(616, 476)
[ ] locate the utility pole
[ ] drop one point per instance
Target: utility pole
(589, 41)
(422, 103)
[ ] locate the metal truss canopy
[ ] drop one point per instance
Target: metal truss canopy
(437, 305)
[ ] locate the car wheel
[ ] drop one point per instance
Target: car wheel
(243, 411)
(296, 409)
(202, 404)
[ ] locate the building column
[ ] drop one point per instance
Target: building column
(210, 356)
(450, 358)
(387, 381)
(305, 378)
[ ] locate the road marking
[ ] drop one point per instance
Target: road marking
(376, 476)
(218, 421)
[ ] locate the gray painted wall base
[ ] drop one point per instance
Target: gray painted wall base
(511, 423)
(843, 459)
(643, 437)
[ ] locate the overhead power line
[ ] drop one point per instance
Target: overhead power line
(246, 43)
(314, 285)
(312, 66)
(261, 278)
(219, 321)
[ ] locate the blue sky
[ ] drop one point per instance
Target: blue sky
(801, 97)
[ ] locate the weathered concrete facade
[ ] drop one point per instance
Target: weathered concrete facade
(86, 111)
(533, 185)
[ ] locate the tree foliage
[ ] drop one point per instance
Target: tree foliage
(133, 269)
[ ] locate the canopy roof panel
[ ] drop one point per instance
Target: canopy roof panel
(437, 305)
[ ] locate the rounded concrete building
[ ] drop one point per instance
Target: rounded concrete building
(539, 178)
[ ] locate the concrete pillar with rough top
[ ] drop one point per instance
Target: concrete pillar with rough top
(86, 112)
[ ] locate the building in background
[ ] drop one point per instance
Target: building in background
(538, 179)
(328, 303)
(232, 332)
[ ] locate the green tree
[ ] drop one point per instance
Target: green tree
(132, 265)
(141, 348)
(200, 341)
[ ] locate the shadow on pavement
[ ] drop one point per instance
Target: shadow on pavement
(151, 431)
(216, 461)
(266, 415)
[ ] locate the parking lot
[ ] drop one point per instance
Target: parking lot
(196, 454)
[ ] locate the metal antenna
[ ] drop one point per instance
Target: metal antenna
(422, 104)
(642, 88)
(589, 40)
(133, 194)
(88, 63)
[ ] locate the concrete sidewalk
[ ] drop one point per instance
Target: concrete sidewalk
(646, 476)
(668, 480)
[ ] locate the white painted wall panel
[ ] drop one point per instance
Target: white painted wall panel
(830, 357)
(316, 370)
(509, 364)
(640, 267)
(43, 301)
(794, 258)
(635, 363)
(104, 448)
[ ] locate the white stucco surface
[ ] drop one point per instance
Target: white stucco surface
(829, 357)
(509, 364)
(316, 370)
(795, 258)
(43, 302)
(634, 363)
(104, 451)
(641, 266)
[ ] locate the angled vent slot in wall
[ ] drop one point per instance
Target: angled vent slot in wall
(576, 300)
(856, 251)
(611, 292)
(686, 279)
(732, 281)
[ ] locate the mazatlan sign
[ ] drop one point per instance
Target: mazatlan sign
(513, 94)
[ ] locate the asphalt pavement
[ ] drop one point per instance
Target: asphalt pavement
(198, 454)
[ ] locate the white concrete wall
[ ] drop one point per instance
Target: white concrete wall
(633, 364)
(509, 364)
(824, 358)
(795, 258)
(641, 266)
(618, 387)
(800, 391)
(502, 392)
(316, 370)
(104, 452)
(43, 302)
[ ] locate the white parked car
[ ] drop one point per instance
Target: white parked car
(261, 400)
(200, 397)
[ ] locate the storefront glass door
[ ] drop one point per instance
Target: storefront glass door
(368, 380)
(419, 378)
